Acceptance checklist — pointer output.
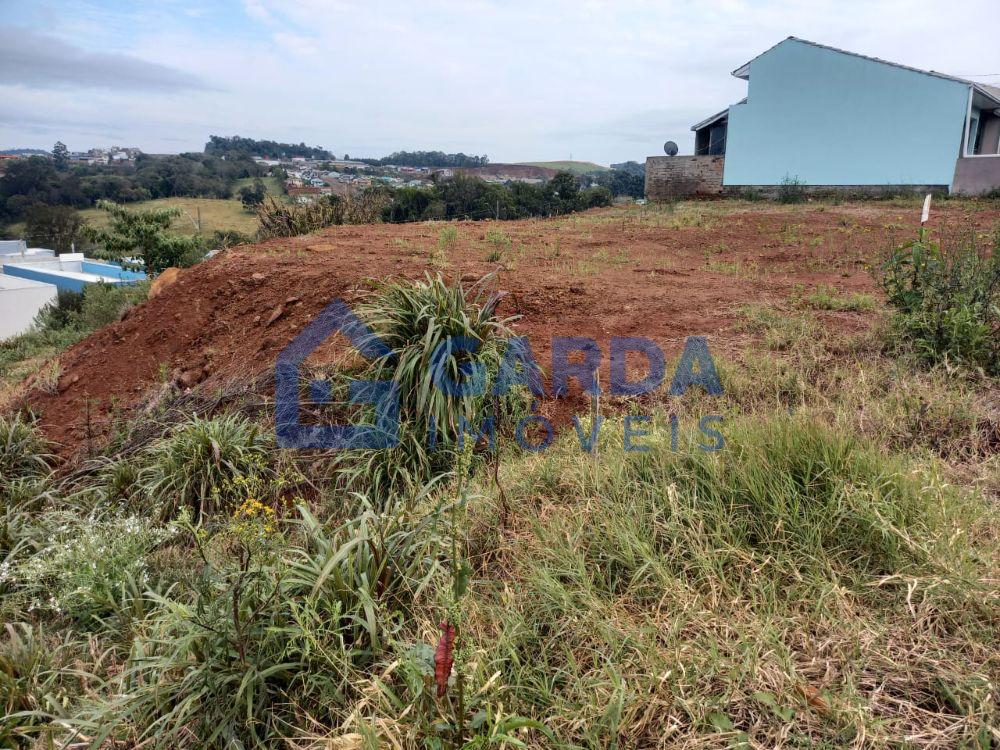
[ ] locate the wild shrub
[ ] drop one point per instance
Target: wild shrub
(63, 323)
(104, 304)
(791, 190)
(421, 324)
(81, 567)
(23, 450)
(279, 219)
(273, 631)
(196, 464)
(144, 235)
(947, 304)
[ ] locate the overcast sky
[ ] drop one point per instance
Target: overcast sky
(597, 80)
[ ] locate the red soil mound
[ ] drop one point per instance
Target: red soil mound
(664, 275)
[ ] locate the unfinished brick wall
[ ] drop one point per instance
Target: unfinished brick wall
(669, 177)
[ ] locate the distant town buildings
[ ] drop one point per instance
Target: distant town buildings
(113, 155)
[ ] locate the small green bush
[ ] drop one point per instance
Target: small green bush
(947, 303)
(413, 320)
(197, 464)
(104, 304)
(23, 451)
(791, 190)
(83, 564)
(272, 629)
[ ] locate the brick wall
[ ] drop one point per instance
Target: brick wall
(669, 177)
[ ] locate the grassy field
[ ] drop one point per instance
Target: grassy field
(214, 213)
(576, 167)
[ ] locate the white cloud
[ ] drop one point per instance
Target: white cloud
(518, 80)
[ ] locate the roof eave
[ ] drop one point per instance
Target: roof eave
(995, 98)
(711, 120)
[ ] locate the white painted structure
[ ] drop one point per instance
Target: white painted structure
(12, 247)
(69, 271)
(16, 250)
(20, 301)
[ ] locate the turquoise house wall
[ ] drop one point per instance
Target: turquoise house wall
(835, 119)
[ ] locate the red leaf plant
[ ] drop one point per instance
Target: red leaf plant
(444, 657)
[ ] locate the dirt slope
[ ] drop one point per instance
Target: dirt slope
(660, 274)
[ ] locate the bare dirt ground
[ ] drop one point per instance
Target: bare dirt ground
(660, 272)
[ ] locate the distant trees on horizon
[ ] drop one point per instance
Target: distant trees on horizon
(428, 159)
(221, 145)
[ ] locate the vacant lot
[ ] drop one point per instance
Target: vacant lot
(661, 272)
(827, 579)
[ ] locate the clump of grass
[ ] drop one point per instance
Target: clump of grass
(947, 303)
(422, 324)
(828, 298)
(279, 219)
(33, 685)
(47, 377)
(447, 237)
(500, 242)
(274, 633)
(195, 465)
(780, 331)
(23, 451)
(757, 592)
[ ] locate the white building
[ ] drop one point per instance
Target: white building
(20, 301)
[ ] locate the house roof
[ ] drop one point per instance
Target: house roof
(724, 114)
(991, 92)
(711, 120)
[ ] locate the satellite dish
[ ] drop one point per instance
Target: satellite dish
(670, 148)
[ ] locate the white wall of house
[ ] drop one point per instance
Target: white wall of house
(20, 301)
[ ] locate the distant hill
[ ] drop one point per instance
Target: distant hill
(514, 171)
(576, 167)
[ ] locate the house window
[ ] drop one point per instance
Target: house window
(973, 135)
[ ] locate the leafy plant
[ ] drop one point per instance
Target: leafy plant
(32, 685)
(23, 450)
(422, 325)
(947, 303)
(791, 190)
(196, 464)
(144, 235)
(271, 628)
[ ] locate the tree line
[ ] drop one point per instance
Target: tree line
(469, 197)
(42, 181)
(238, 146)
(428, 159)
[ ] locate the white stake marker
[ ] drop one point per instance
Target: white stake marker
(925, 214)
